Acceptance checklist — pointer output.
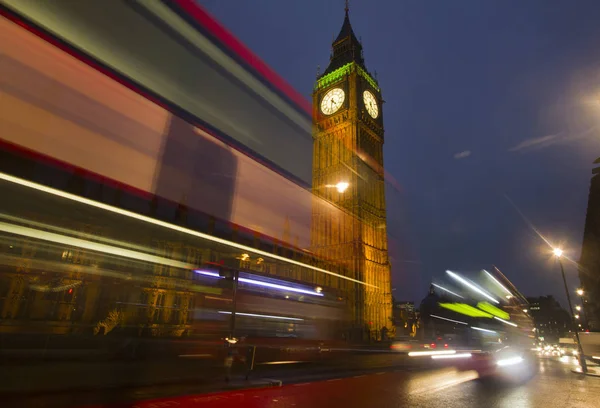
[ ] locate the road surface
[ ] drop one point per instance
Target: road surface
(408, 385)
(554, 386)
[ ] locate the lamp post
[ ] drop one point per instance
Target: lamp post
(558, 253)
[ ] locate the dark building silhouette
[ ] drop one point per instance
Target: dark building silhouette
(589, 263)
(405, 318)
(550, 319)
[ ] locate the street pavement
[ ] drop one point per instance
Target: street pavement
(407, 385)
(554, 386)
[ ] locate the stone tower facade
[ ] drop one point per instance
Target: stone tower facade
(348, 136)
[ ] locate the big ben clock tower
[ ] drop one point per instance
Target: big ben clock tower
(348, 172)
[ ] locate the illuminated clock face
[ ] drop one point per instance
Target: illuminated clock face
(332, 101)
(371, 104)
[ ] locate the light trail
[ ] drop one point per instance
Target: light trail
(505, 321)
(445, 318)
(449, 291)
(92, 246)
(149, 220)
(450, 356)
(471, 286)
(483, 330)
(261, 315)
(81, 234)
(430, 353)
(265, 284)
(498, 283)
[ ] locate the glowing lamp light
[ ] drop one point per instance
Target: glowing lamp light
(580, 292)
(342, 186)
(557, 252)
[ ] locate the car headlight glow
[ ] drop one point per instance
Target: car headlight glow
(510, 361)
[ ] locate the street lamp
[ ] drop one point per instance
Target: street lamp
(342, 186)
(558, 253)
(578, 308)
(579, 292)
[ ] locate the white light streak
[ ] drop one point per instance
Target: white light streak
(506, 321)
(149, 220)
(265, 284)
(265, 316)
(449, 291)
(483, 330)
(450, 356)
(430, 353)
(471, 286)
(445, 318)
(498, 283)
(93, 246)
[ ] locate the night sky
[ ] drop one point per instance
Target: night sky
(486, 102)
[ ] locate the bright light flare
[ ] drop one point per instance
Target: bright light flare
(579, 292)
(557, 252)
(342, 186)
(510, 361)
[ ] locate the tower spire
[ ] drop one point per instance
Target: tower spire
(346, 47)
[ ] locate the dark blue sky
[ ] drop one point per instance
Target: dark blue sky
(484, 99)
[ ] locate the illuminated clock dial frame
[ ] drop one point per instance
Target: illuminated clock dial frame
(332, 101)
(371, 104)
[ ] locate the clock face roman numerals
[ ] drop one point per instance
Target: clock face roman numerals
(371, 104)
(332, 101)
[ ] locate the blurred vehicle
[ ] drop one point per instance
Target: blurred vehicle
(509, 364)
(116, 193)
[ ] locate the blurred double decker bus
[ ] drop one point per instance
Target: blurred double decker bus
(117, 189)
